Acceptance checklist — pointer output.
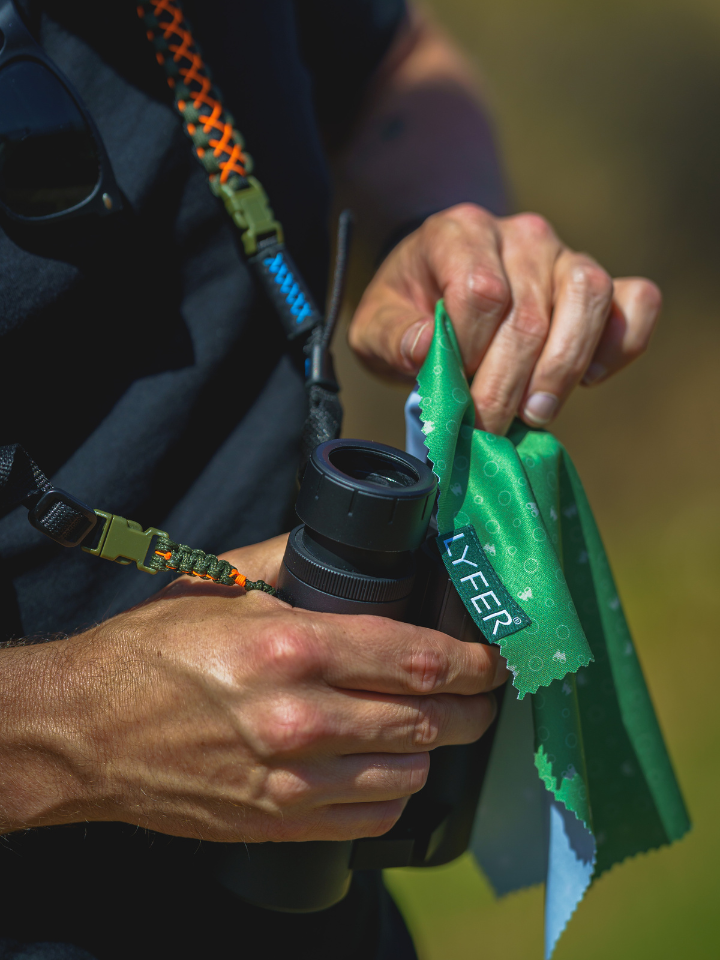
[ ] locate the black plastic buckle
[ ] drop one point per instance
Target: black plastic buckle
(61, 517)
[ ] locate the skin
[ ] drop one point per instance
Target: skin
(533, 318)
(209, 713)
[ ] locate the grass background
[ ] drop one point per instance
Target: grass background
(608, 116)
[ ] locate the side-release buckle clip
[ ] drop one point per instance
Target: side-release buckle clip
(124, 541)
(250, 211)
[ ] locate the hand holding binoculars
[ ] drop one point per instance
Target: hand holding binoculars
(363, 547)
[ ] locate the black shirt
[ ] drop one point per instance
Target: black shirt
(147, 375)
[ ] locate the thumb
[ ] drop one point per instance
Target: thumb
(393, 324)
(454, 254)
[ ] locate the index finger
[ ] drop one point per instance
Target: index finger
(386, 656)
(463, 247)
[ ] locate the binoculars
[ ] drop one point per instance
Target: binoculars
(364, 547)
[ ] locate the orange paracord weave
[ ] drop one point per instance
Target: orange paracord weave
(168, 29)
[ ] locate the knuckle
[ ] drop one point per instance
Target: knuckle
(592, 281)
(530, 323)
(427, 670)
(563, 372)
(493, 399)
(459, 219)
(487, 291)
(465, 212)
(291, 651)
(533, 227)
(387, 816)
(433, 226)
(418, 772)
(430, 720)
(286, 789)
(290, 725)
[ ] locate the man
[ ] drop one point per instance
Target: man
(152, 379)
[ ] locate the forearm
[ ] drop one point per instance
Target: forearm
(45, 758)
(424, 141)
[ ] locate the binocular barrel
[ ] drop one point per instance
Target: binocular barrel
(365, 510)
(361, 548)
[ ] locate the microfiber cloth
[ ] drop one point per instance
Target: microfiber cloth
(579, 778)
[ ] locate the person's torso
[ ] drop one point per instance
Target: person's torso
(143, 369)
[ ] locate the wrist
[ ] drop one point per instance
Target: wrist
(48, 758)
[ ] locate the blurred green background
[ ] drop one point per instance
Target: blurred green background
(608, 116)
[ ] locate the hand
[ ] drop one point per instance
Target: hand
(532, 317)
(206, 712)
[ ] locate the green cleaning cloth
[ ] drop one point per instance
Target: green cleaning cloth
(516, 504)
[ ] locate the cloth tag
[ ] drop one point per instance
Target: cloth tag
(480, 588)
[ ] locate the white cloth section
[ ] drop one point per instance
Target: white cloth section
(414, 436)
(509, 840)
(570, 867)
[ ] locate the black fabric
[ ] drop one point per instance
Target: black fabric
(180, 404)
(147, 377)
(13, 950)
(362, 33)
(122, 893)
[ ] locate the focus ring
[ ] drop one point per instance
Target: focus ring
(342, 583)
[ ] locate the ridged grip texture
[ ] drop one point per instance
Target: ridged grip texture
(339, 583)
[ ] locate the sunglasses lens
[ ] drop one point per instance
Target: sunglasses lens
(48, 158)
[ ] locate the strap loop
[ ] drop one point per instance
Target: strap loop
(61, 517)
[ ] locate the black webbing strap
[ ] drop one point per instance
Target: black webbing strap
(323, 421)
(53, 512)
(21, 479)
(325, 412)
(69, 522)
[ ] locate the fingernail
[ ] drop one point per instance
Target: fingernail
(595, 372)
(541, 407)
(410, 342)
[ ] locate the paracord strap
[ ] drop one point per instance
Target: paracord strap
(220, 148)
(169, 555)
(71, 523)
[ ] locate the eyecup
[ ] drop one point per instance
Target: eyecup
(367, 495)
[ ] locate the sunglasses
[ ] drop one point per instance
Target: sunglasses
(53, 163)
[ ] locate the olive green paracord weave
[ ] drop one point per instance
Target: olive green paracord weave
(152, 550)
(170, 556)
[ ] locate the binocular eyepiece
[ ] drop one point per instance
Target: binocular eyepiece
(365, 509)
